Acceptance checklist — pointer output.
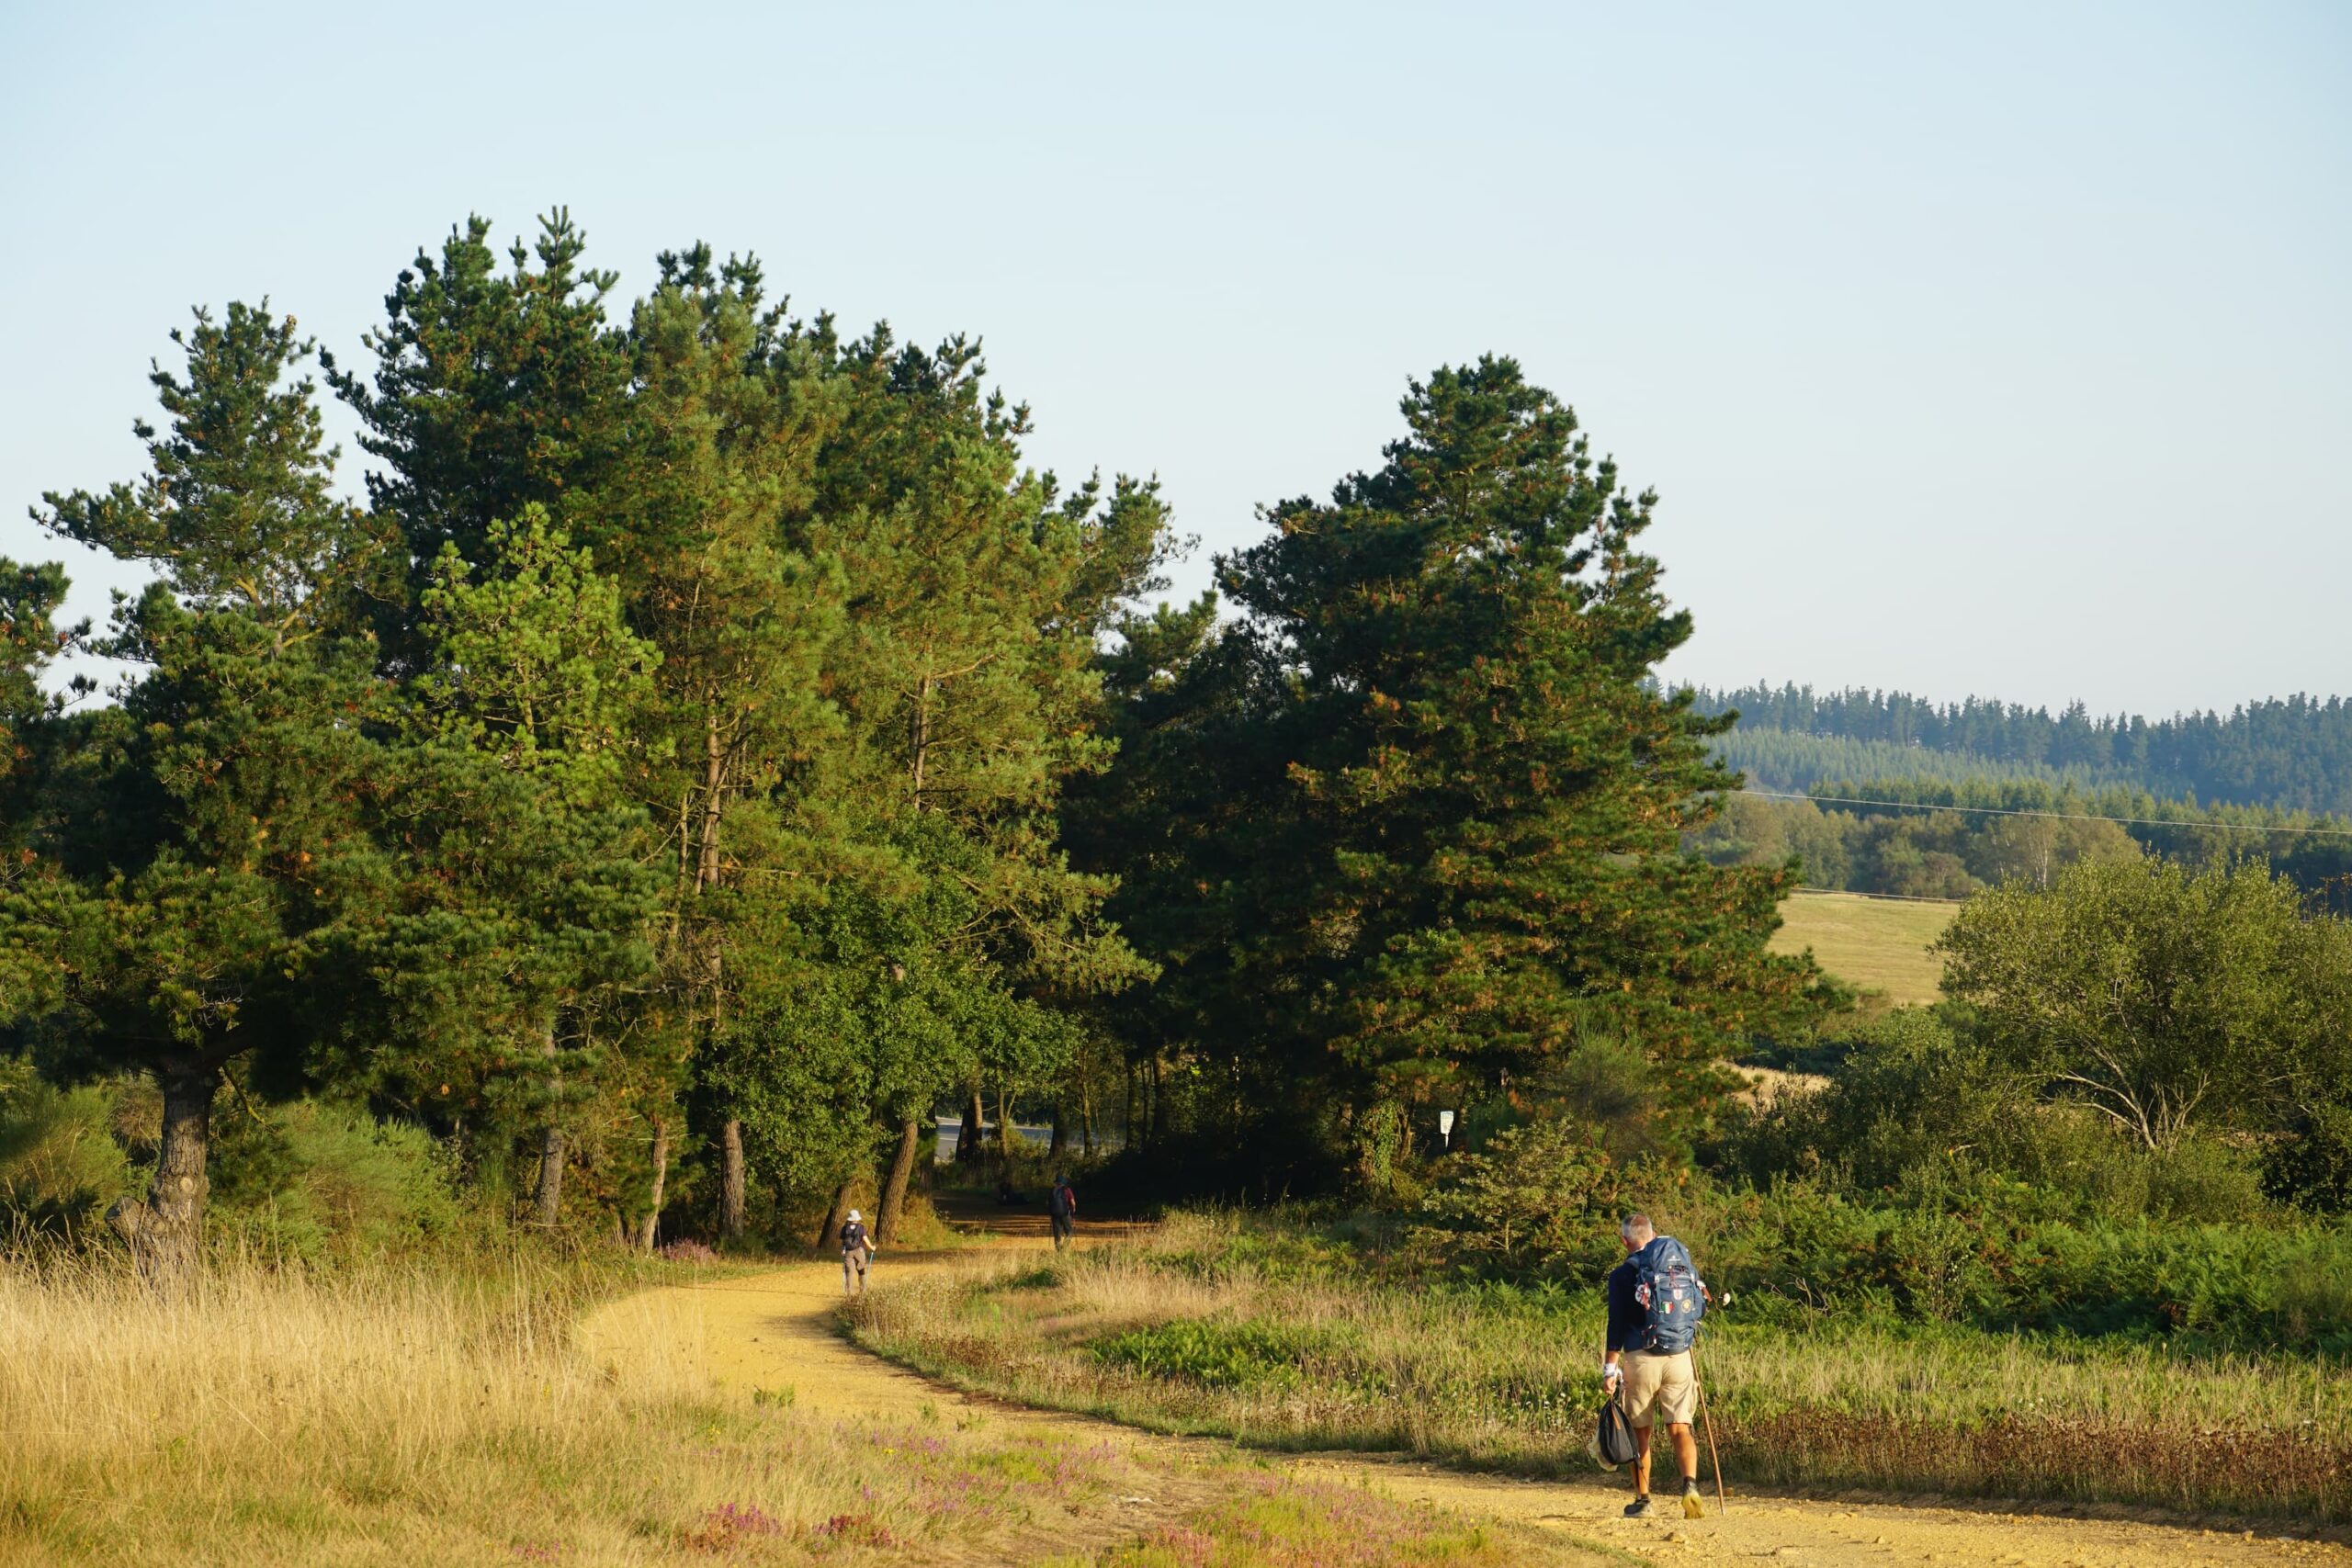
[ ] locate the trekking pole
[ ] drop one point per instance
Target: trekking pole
(1709, 1423)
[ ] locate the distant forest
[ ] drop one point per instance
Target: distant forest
(2290, 752)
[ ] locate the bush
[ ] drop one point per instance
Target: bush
(2312, 1166)
(60, 1165)
(1214, 1355)
(1906, 1091)
(324, 1182)
(1524, 1202)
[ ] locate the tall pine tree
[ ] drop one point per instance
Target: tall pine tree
(1439, 840)
(216, 837)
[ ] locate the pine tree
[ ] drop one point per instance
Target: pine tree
(727, 413)
(491, 392)
(964, 676)
(209, 835)
(1463, 797)
(527, 898)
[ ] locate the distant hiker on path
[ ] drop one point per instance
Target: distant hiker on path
(1655, 1302)
(857, 1250)
(1061, 1207)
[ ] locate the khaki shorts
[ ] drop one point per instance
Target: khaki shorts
(1659, 1385)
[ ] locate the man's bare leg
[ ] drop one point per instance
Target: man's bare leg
(1686, 1454)
(1641, 1468)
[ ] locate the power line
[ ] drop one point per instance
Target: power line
(2056, 816)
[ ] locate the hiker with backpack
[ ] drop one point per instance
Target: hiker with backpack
(857, 1251)
(1655, 1302)
(1061, 1207)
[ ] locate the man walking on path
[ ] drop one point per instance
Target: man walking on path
(857, 1250)
(1061, 1207)
(1655, 1300)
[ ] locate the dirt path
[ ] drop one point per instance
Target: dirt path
(776, 1330)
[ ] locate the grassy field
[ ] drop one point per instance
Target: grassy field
(1183, 1334)
(270, 1419)
(1874, 944)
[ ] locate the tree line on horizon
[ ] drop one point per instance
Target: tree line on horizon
(710, 749)
(2293, 752)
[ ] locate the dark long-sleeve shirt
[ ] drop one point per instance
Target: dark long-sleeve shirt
(1626, 1319)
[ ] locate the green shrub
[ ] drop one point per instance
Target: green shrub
(1906, 1091)
(325, 1182)
(60, 1165)
(2313, 1165)
(1214, 1354)
(1524, 1203)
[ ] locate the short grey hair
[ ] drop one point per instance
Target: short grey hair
(1636, 1227)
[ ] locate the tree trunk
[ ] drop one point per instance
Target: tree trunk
(1159, 1101)
(1061, 1130)
(163, 1229)
(646, 1228)
(1128, 1124)
(1086, 1113)
(550, 1206)
(1004, 1128)
(921, 737)
(551, 1142)
(730, 1178)
(967, 1138)
(894, 1190)
(833, 1216)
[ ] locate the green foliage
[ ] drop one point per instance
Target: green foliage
(490, 393)
(1213, 1354)
(1911, 855)
(2290, 752)
(528, 900)
(1907, 1094)
(326, 1183)
(2164, 1001)
(1414, 822)
(1526, 1202)
(2003, 827)
(60, 1165)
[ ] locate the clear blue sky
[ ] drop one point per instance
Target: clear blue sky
(1998, 348)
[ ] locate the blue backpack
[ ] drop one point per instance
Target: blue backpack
(1670, 1295)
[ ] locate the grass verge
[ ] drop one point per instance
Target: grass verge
(1180, 1334)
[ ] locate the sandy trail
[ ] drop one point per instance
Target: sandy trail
(777, 1330)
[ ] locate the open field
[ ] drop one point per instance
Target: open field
(1874, 944)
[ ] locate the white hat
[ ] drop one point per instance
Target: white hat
(852, 1214)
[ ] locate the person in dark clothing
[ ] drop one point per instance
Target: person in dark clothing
(1061, 1207)
(1650, 1383)
(857, 1252)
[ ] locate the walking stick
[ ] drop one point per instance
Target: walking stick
(1709, 1423)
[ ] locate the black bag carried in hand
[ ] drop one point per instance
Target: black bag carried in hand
(1614, 1442)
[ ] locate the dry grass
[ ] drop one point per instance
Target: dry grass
(1872, 944)
(266, 1420)
(1269, 1522)
(1487, 1383)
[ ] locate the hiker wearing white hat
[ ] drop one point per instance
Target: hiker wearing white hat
(857, 1251)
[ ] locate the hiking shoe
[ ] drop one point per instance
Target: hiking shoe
(1639, 1509)
(1693, 1506)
